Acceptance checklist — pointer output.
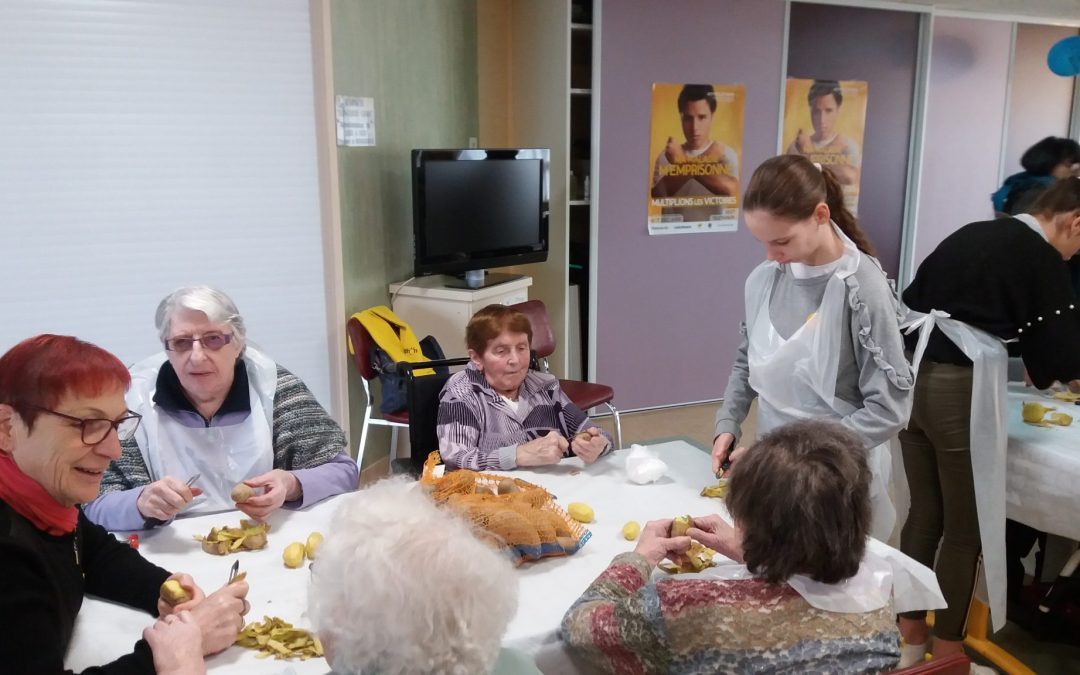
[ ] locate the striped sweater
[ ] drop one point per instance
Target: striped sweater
(478, 430)
(306, 441)
(626, 624)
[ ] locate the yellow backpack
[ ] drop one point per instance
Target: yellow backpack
(393, 336)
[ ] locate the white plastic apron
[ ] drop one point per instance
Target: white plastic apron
(795, 378)
(989, 438)
(222, 455)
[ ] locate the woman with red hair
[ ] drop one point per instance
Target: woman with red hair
(62, 417)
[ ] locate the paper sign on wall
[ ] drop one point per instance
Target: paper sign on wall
(695, 149)
(824, 122)
(355, 121)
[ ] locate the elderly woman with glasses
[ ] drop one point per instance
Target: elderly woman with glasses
(62, 418)
(217, 410)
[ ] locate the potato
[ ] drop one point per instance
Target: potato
(631, 530)
(507, 486)
(1034, 412)
(241, 493)
(314, 541)
(486, 490)
(254, 542)
(293, 555)
(557, 522)
(680, 525)
(568, 543)
(173, 593)
(580, 512)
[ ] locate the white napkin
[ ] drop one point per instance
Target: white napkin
(643, 466)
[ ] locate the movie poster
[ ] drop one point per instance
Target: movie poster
(824, 121)
(695, 151)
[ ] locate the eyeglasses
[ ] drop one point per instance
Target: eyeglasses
(211, 341)
(96, 429)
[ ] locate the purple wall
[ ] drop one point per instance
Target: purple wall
(668, 307)
(965, 113)
(881, 48)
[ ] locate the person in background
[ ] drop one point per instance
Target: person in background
(62, 418)
(431, 597)
(1046, 161)
(217, 407)
(999, 280)
(498, 414)
(820, 336)
(788, 603)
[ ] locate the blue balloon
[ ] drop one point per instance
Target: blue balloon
(1064, 57)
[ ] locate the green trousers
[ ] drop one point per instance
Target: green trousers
(937, 461)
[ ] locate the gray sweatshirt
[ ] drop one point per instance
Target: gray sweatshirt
(873, 374)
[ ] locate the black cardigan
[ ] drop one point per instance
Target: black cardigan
(42, 582)
(1002, 277)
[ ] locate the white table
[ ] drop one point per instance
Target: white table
(1043, 465)
(105, 631)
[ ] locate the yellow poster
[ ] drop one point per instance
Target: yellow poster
(824, 121)
(695, 150)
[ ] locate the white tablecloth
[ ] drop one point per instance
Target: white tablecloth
(1043, 464)
(105, 631)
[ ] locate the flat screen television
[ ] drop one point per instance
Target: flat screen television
(479, 208)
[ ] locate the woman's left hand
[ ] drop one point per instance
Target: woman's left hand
(278, 486)
(655, 544)
(589, 445)
(189, 585)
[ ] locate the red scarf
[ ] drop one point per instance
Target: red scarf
(27, 498)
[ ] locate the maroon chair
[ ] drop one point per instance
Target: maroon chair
(362, 344)
(584, 395)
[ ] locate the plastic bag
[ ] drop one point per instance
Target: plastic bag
(643, 466)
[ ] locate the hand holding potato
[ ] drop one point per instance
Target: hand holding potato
(165, 498)
(541, 451)
(278, 486)
(221, 616)
(654, 544)
(177, 645)
(589, 445)
(188, 584)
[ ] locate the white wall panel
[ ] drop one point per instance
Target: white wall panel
(148, 144)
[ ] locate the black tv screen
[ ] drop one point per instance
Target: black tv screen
(474, 209)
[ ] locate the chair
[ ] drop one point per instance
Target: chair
(362, 344)
(422, 394)
(957, 664)
(584, 395)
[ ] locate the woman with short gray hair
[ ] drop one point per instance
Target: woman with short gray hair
(215, 407)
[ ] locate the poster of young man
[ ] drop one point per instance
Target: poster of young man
(824, 121)
(695, 148)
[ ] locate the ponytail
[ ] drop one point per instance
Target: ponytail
(844, 219)
(791, 186)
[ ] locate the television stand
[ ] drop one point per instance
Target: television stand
(431, 307)
(478, 279)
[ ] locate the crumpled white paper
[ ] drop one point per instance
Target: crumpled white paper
(643, 466)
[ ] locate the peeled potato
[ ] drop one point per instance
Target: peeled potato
(580, 512)
(173, 593)
(293, 555)
(241, 493)
(1034, 412)
(631, 530)
(680, 525)
(314, 541)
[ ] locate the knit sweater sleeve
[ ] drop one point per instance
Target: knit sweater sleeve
(886, 378)
(617, 624)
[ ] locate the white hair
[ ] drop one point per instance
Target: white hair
(217, 307)
(402, 587)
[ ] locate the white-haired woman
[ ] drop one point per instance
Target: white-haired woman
(402, 587)
(217, 407)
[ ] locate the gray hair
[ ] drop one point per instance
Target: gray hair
(217, 307)
(401, 586)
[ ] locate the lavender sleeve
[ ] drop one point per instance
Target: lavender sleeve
(335, 477)
(117, 511)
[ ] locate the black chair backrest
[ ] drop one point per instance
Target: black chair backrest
(422, 394)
